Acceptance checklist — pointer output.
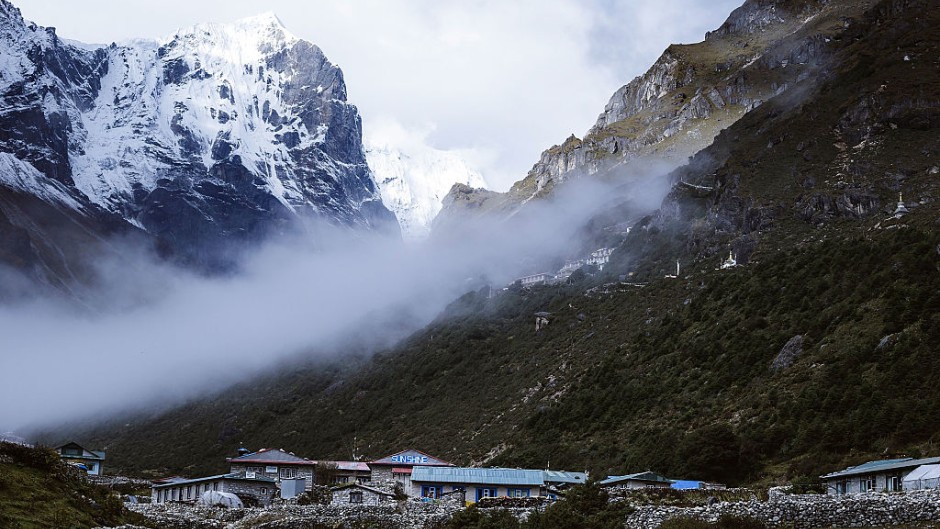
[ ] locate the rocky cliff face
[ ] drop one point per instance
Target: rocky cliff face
(207, 140)
(825, 159)
(689, 95)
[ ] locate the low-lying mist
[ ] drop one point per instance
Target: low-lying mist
(156, 335)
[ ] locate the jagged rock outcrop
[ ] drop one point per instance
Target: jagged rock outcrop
(208, 140)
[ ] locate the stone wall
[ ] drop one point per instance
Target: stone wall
(399, 515)
(809, 511)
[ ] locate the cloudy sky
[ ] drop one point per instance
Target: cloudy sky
(498, 80)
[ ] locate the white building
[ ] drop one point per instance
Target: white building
(600, 257)
(535, 279)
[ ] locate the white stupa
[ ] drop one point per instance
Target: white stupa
(901, 210)
(730, 262)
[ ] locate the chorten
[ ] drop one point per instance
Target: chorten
(901, 210)
(730, 262)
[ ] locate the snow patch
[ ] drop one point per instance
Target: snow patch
(21, 176)
(414, 177)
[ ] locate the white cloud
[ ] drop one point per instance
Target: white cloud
(504, 80)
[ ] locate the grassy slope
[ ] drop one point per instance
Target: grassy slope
(38, 490)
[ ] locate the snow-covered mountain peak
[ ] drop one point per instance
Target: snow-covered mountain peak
(244, 41)
(222, 131)
(414, 177)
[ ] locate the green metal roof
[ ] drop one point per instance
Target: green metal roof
(882, 465)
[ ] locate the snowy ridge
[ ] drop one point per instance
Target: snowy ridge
(23, 177)
(226, 94)
(414, 183)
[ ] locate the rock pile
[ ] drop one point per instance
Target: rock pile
(809, 511)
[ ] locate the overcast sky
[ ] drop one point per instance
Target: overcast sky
(499, 80)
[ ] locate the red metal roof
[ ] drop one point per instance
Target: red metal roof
(401, 470)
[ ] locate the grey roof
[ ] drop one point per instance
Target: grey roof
(364, 487)
(882, 465)
(238, 476)
(646, 477)
(269, 455)
(86, 453)
(478, 476)
(561, 476)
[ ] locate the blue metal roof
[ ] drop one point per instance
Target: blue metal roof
(478, 476)
(685, 484)
(882, 465)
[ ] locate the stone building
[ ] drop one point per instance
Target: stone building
(90, 460)
(886, 475)
(275, 464)
(258, 490)
(359, 494)
(397, 468)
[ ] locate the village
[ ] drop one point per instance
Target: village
(268, 476)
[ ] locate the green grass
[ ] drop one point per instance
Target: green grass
(39, 491)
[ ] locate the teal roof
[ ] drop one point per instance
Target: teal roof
(478, 476)
(882, 465)
(647, 477)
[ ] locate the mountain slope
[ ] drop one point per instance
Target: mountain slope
(816, 351)
(207, 140)
(682, 102)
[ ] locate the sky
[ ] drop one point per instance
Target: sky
(497, 81)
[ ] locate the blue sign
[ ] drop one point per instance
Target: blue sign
(413, 460)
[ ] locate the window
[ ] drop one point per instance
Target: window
(355, 496)
(486, 492)
(264, 490)
(841, 487)
(189, 492)
(867, 484)
(431, 491)
(215, 486)
(518, 493)
(894, 483)
(287, 473)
